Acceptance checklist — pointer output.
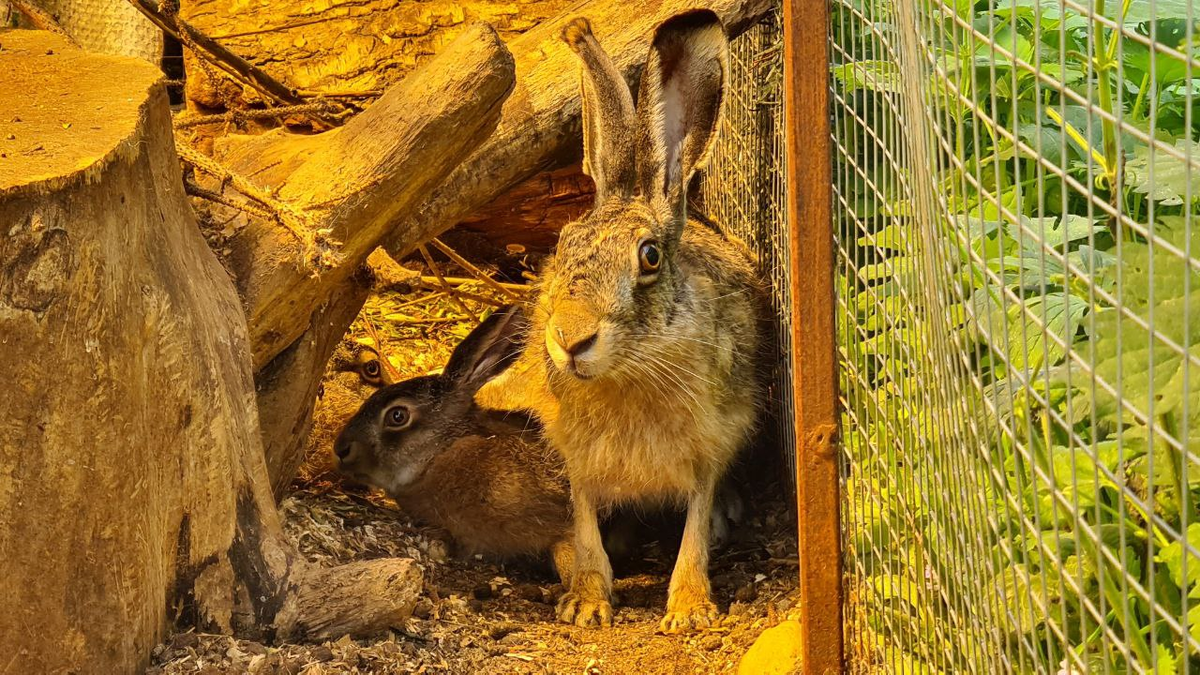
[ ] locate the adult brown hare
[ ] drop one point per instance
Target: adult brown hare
(647, 329)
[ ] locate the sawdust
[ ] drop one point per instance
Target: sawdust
(480, 616)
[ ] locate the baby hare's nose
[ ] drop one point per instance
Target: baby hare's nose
(346, 450)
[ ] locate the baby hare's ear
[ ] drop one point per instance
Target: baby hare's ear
(488, 349)
(679, 105)
(608, 116)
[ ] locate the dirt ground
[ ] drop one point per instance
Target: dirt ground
(484, 616)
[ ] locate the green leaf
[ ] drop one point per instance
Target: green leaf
(1173, 179)
(1053, 314)
(1166, 68)
(1165, 661)
(871, 75)
(1142, 370)
(1174, 555)
(1141, 11)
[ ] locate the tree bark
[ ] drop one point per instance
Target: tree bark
(338, 47)
(133, 491)
(288, 385)
(540, 127)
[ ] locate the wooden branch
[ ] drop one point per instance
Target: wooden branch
(540, 126)
(357, 179)
(41, 19)
(242, 69)
(479, 274)
(437, 273)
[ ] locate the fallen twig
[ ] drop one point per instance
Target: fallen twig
(41, 19)
(459, 281)
(434, 286)
(442, 280)
(432, 319)
(466, 265)
(166, 17)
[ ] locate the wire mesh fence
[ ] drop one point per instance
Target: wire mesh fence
(743, 190)
(1015, 185)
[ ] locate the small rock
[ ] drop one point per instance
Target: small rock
(438, 552)
(503, 630)
(185, 641)
(710, 643)
(423, 609)
(775, 652)
(529, 592)
(746, 593)
(321, 653)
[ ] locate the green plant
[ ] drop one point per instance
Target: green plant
(1003, 284)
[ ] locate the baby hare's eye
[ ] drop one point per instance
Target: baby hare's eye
(397, 417)
(371, 371)
(649, 257)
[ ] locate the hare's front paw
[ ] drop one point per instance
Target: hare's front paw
(585, 611)
(698, 616)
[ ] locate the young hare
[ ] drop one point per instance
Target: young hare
(647, 328)
(484, 475)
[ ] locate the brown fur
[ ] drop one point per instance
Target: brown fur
(497, 495)
(485, 476)
(649, 377)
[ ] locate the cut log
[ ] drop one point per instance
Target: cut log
(354, 181)
(288, 385)
(340, 47)
(532, 213)
(133, 491)
(540, 126)
(351, 182)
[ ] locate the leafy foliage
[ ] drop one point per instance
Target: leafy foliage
(1021, 369)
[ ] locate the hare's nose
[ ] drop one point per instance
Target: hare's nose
(577, 348)
(345, 450)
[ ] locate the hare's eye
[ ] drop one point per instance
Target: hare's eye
(649, 257)
(397, 417)
(371, 370)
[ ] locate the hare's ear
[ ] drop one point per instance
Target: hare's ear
(608, 116)
(489, 349)
(679, 105)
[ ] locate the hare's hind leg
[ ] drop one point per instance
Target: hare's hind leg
(562, 554)
(689, 601)
(588, 602)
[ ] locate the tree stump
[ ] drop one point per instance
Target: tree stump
(133, 491)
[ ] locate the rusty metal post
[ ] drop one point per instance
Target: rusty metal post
(811, 246)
